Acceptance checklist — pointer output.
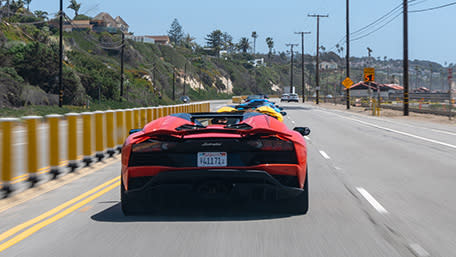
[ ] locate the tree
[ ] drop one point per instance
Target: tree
(28, 4)
(254, 36)
(243, 44)
(41, 14)
(215, 41)
(188, 42)
(322, 48)
(270, 44)
(228, 44)
(75, 6)
(176, 33)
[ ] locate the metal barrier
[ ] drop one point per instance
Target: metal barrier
(32, 123)
(87, 138)
(72, 145)
(54, 143)
(105, 130)
(99, 142)
(7, 153)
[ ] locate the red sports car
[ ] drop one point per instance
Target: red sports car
(214, 158)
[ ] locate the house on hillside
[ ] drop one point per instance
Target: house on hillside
(257, 62)
(105, 22)
(140, 39)
(363, 89)
(328, 65)
(161, 40)
(77, 25)
(122, 25)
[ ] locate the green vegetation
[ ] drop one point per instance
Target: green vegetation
(29, 62)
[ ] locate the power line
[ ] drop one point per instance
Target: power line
(377, 29)
(394, 13)
(433, 8)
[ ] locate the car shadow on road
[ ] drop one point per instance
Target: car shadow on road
(228, 213)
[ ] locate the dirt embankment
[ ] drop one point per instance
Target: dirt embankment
(392, 114)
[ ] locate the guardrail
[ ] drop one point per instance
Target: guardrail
(102, 135)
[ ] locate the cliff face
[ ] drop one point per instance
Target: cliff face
(29, 70)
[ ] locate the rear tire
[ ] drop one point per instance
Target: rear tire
(125, 202)
(300, 205)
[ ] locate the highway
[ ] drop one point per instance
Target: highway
(378, 187)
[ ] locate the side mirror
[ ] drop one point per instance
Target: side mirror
(134, 131)
(305, 131)
(283, 113)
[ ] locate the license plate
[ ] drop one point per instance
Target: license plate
(212, 159)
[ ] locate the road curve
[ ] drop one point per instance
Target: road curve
(378, 187)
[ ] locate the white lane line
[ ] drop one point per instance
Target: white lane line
(307, 138)
(400, 123)
(324, 155)
(292, 121)
(444, 132)
(399, 132)
(372, 200)
(418, 250)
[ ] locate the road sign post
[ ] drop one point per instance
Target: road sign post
(369, 76)
(347, 83)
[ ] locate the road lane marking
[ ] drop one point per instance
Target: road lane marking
(324, 155)
(418, 250)
(444, 132)
(400, 132)
(32, 193)
(400, 123)
(372, 200)
(55, 218)
(45, 215)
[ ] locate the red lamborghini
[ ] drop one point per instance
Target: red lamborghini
(212, 159)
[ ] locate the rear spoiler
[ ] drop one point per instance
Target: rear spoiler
(183, 133)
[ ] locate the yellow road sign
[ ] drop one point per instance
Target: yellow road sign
(347, 82)
(369, 74)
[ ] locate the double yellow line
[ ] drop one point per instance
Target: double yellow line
(30, 227)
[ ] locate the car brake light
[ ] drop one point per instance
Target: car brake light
(272, 145)
(152, 146)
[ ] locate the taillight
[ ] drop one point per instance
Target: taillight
(152, 146)
(271, 145)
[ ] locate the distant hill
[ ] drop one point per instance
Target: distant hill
(29, 68)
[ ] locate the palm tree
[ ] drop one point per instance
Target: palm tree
(75, 6)
(254, 35)
(244, 44)
(28, 4)
(41, 14)
(270, 44)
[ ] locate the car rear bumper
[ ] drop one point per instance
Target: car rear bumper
(212, 185)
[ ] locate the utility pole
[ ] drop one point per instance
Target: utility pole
(291, 68)
(122, 66)
(430, 78)
(406, 64)
(317, 76)
(60, 55)
(347, 57)
(302, 64)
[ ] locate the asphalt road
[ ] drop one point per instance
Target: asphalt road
(378, 187)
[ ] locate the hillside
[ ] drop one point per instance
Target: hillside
(29, 69)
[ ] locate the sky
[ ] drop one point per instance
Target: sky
(431, 33)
